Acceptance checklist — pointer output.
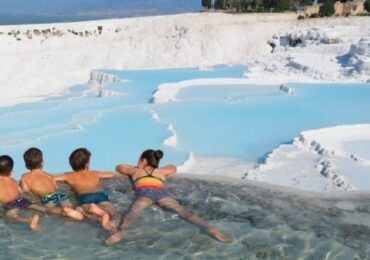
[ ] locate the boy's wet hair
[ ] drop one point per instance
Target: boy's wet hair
(152, 157)
(79, 158)
(6, 165)
(33, 158)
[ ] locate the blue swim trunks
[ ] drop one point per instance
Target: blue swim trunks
(18, 203)
(96, 197)
(54, 197)
(155, 195)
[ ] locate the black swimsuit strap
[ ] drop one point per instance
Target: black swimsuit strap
(149, 175)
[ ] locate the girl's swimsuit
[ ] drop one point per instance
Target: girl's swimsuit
(151, 187)
(54, 197)
(18, 203)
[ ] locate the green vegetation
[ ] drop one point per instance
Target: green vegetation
(207, 4)
(240, 6)
(327, 9)
(367, 5)
(220, 4)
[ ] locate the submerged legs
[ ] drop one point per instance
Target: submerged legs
(32, 221)
(171, 204)
(135, 211)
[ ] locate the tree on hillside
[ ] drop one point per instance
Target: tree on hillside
(207, 4)
(327, 9)
(278, 5)
(256, 5)
(367, 5)
(220, 4)
(238, 5)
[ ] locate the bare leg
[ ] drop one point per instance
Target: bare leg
(171, 204)
(38, 208)
(52, 208)
(137, 207)
(74, 214)
(95, 209)
(87, 215)
(32, 221)
(69, 211)
(112, 211)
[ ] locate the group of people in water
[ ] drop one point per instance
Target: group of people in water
(92, 203)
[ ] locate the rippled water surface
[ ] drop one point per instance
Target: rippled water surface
(265, 222)
(243, 122)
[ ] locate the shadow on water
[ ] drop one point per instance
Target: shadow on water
(266, 222)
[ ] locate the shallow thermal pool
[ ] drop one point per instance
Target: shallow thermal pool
(229, 121)
(265, 223)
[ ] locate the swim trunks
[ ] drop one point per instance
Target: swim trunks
(96, 197)
(54, 197)
(18, 203)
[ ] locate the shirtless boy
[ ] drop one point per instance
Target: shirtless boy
(10, 195)
(86, 184)
(43, 185)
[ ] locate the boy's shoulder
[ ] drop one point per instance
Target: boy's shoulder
(89, 172)
(8, 180)
(35, 173)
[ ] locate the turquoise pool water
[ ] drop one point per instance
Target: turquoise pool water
(242, 121)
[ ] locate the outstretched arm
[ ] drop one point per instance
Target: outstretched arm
(125, 169)
(168, 170)
(107, 175)
(61, 177)
(23, 186)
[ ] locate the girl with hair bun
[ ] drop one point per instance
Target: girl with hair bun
(150, 187)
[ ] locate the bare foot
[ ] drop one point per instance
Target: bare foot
(34, 224)
(115, 238)
(107, 225)
(87, 215)
(220, 236)
(73, 213)
(80, 209)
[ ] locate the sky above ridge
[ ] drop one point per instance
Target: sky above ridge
(96, 8)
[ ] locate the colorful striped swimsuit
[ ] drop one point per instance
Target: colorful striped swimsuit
(151, 187)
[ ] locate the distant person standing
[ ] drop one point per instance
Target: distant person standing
(272, 44)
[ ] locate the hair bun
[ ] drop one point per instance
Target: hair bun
(158, 154)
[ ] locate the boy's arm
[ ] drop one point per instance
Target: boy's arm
(23, 186)
(54, 181)
(61, 177)
(125, 169)
(24, 190)
(106, 175)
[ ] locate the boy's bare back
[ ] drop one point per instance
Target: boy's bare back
(38, 182)
(83, 181)
(9, 189)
